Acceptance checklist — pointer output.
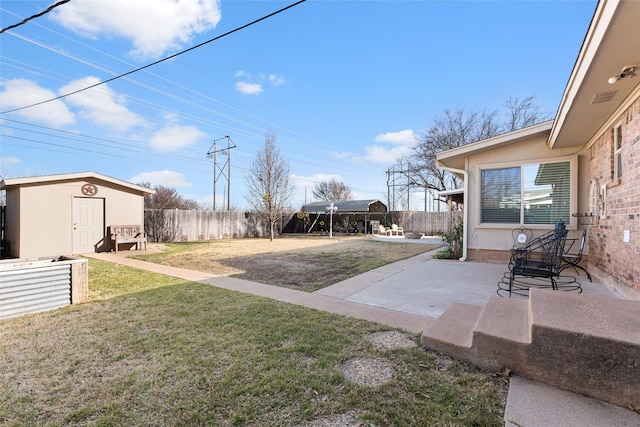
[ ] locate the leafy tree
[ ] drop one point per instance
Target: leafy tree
(269, 184)
(332, 190)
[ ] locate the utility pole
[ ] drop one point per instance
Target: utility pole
(219, 171)
(403, 182)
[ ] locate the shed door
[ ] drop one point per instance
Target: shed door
(88, 224)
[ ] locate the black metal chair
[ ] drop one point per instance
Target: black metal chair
(570, 259)
(537, 264)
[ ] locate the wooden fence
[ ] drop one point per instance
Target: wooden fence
(429, 223)
(180, 225)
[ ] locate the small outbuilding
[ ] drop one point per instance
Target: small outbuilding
(350, 216)
(348, 206)
(68, 213)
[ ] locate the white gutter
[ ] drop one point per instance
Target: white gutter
(465, 211)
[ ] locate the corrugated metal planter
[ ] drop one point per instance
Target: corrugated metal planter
(32, 286)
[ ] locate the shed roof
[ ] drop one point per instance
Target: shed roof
(343, 206)
(50, 179)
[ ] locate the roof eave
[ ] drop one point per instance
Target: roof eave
(609, 45)
(12, 182)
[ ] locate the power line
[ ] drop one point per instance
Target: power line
(37, 15)
(152, 88)
(288, 141)
(159, 61)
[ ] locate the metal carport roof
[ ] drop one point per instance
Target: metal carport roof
(347, 206)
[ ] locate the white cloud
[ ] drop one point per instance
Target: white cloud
(10, 160)
(174, 137)
(249, 88)
(403, 137)
(276, 80)
(170, 117)
(165, 177)
(101, 105)
(153, 26)
(401, 144)
(382, 155)
(22, 92)
(251, 85)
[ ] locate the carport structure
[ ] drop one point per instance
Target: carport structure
(350, 216)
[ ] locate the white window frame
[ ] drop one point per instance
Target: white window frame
(573, 196)
(617, 152)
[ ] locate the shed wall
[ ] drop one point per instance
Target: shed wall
(12, 219)
(40, 217)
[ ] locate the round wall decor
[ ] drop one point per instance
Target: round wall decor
(89, 190)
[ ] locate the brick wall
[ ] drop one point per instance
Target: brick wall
(607, 250)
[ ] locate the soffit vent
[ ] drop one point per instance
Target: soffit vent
(603, 97)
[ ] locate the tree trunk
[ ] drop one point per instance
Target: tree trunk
(271, 231)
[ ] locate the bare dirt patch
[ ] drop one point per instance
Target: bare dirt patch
(390, 340)
(302, 262)
(367, 371)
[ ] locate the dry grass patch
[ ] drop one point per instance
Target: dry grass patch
(305, 263)
(168, 352)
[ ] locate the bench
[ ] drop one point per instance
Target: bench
(132, 234)
(538, 264)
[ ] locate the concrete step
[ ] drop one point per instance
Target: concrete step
(452, 333)
(581, 343)
(488, 336)
(533, 404)
(586, 344)
(502, 334)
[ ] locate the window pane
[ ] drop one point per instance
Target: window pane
(547, 193)
(500, 199)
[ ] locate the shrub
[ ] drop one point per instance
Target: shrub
(453, 241)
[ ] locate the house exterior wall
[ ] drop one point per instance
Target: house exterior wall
(609, 253)
(40, 218)
(491, 242)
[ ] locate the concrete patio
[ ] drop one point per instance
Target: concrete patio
(427, 287)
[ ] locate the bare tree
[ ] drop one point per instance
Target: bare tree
(452, 130)
(165, 198)
(269, 184)
(458, 128)
(523, 113)
(3, 193)
(332, 190)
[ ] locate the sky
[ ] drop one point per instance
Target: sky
(347, 87)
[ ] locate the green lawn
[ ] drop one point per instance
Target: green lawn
(153, 350)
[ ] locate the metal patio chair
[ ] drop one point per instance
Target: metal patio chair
(570, 259)
(537, 263)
